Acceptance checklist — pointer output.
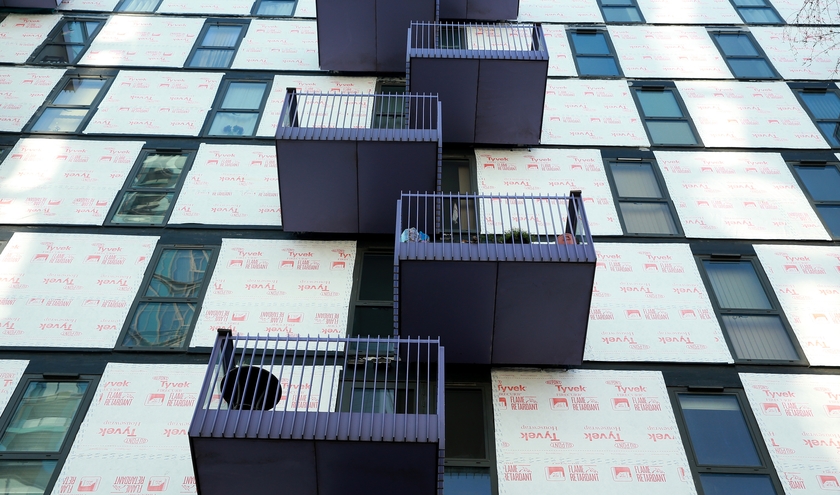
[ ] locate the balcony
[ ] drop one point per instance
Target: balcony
(367, 35)
(479, 10)
(490, 77)
(31, 4)
(501, 279)
(320, 416)
(344, 159)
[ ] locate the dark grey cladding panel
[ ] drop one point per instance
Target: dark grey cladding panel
(455, 81)
(453, 300)
(479, 10)
(453, 9)
(347, 35)
(385, 170)
(511, 97)
(393, 19)
(317, 185)
(231, 465)
(542, 313)
(30, 4)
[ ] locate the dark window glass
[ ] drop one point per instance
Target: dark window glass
(388, 110)
(156, 324)
(593, 53)
(822, 183)
(26, 477)
(43, 417)
(240, 109)
(373, 306)
(179, 273)
(276, 8)
(751, 68)
(671, 133)
(68, 42)
(718, 431)
(150, 194)
(373, 321)
(621, 14)
(736, 45)
(756, 12)
(736, 285)
(659, 104)
(597, 66)
(831, 217)
(216, 46)
(465, 421)
(664, 118)
(590, 44)
(466, 481)
(743, 56)
(822, 105)
(736, 484)
(377, 277)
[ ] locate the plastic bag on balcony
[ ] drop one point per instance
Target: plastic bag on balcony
(413, 235)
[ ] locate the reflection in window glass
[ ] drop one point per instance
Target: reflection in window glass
(160, 170)
(276, 8)
(647, 218)
(217, 46)
(759, 337)
(370, 400)
(179, 273)
(593, 54)
(665, 121)
(240, 96)
(736, 45)
(43, 417)
(26, 477)
(143, 207)
(743, 57)
(831, 218)
(244, 96)
(466, 481)
(751, 68)
(79, 92)
(736, 285)
(138, 6)
(151, 192)
(718, 431)
(635, 180)
(157, 324)
(233, 124)
(659, 104)
(822, 105)
(68, 43)
(822, 183)
(670, 132)
(736, 484)
(59, 120)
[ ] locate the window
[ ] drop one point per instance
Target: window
(624, 11)
(455, 179)
(41, 421)
(150, 192)
(742, 55)
(757, 12)
(68, 41)
(388, 111)
(69, 107)
(824, 106)
(665, 117)
(469, 459)
(137, 5)
(238, 108)
(373, 294)
(274, 8)
(642, 199)
(821, 183)
(593, 51)
(724, 450)
(217, 44)
(169, 300)
(749, 313)
(452, 37)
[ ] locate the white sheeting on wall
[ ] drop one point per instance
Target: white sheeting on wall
(740, 114)
(543, 171)
(134, 436)
(591, 113)
(738, 196)
(21, 34)
(144, 41)
(230, 185)
(206, 7)
(806, 280)
(682, 52)
(10, 373)
(305, 9)
(22, 91)
(559, 11)
(689, 12)
(308, 84)
(793, 58)
(61, 181)
(90, 5)
(788, 9)
(649, 304)
(797, 416)
(146, 102)
(69, 290)
(587, 431)
(279, 45)
(560, 61)
(278, 287)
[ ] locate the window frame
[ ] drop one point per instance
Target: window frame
(135, 169)
(216, 22)
(355, 300)
(610, 47)
(799, 88)
(633, 3)
(123, 2)
(660, 182)
(256, 7)
(775, 309)
(55, 33)
(379, 112)
(662, 86)
(697, 469)
(108, 77)
(216, 108)
(714, 33)
(141, 298)
(489, 460)
(61, 456)
(767, 6)
(792, 164)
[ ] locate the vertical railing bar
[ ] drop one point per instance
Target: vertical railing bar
(393, 403)
(286, 403)
(375, 383)
(417, 392)
(279, 393)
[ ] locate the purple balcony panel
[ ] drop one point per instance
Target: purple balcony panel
(479, 10)
(320, 416)
(489, 77)
(501, 279)
(367, 35)
(30, 4)
(343, 160)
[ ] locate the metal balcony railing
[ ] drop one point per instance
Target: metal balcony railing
(345, 389)
(476, 40)
(482, 227)
(384, 117)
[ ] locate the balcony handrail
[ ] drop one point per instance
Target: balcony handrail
(331, 388)
(476, 40)
(492, 227)
(356, 116)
